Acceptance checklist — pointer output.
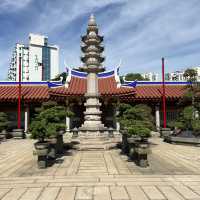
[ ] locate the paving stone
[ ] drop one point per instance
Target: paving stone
(135, 192)
(170, 193)
(3, 192)
(49, 193)
(84, 193)
(14, 194)
(31, 194)
(153, 193)
(101, 193)
(67, 193)
(118, 192)
(186, 192)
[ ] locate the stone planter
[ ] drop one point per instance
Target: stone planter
(60, 143)
(125, 145)
(142, 150)
(42, 150)
(132, 143)
(165, 132)
(183, 140)
(3, 135)
(52, 148)
(18, 133)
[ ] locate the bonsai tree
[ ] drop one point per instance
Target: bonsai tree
(138, 119)
(3, 121)
(189, 117)
(196, 127)
(50, 118)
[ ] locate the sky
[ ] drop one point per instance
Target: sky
(137, 32)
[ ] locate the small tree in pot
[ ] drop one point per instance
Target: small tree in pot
(139, 146)
(46, 128)
(137, 121)
(38, 130)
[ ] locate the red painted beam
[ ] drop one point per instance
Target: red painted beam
(19, 97)
(163, 94)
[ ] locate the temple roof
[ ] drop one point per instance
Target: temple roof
(76, 85)
(107, 86)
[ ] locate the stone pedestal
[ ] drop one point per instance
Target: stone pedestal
(98, 140)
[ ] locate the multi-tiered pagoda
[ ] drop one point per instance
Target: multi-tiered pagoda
(92, 59)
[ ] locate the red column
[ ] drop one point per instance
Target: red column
(163, 94)
(19, 97)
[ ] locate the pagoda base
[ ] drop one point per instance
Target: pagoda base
(92, 126)
(96, 140)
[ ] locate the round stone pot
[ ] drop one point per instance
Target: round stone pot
(60, 142)
(52, 148)
(125, 144)
(18, 133)
(3, 135)
(142, 150)
(132, 143)
(42, 150)
(165, 132)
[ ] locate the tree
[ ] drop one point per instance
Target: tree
(135, 76)
(137, 119)
(190, 75)
(58, 77)
(50, 118)
(192, 93)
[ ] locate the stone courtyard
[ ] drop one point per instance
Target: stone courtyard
(174, 173)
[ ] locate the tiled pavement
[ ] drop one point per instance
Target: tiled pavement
(174, 173)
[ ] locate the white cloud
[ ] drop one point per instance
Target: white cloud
(13, 5)
(140, 31)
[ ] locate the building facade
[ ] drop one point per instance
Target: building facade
(39, 60)
(179, 75)
(150, 76)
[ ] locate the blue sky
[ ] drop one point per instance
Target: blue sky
(139, 32)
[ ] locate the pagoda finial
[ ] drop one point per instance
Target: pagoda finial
(92, 20)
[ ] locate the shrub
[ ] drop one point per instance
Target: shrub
(137, 119)
(196, 127)
(179, 125)
(3, 121)
(49, 120)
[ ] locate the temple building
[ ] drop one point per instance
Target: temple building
(91, 92)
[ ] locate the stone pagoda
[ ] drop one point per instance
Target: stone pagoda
(92, 59)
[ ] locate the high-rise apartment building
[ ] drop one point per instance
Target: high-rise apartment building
(39, 61)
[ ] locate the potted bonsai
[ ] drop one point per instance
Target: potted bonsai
(138, 142)
(3, 125)
(187, 128)
(38, 129)
(137, 123)
(53, 118)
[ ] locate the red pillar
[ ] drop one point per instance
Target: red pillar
(163, 94)
(19, 97)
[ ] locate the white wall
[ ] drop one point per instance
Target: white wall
(35, 72)
(54, 62)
